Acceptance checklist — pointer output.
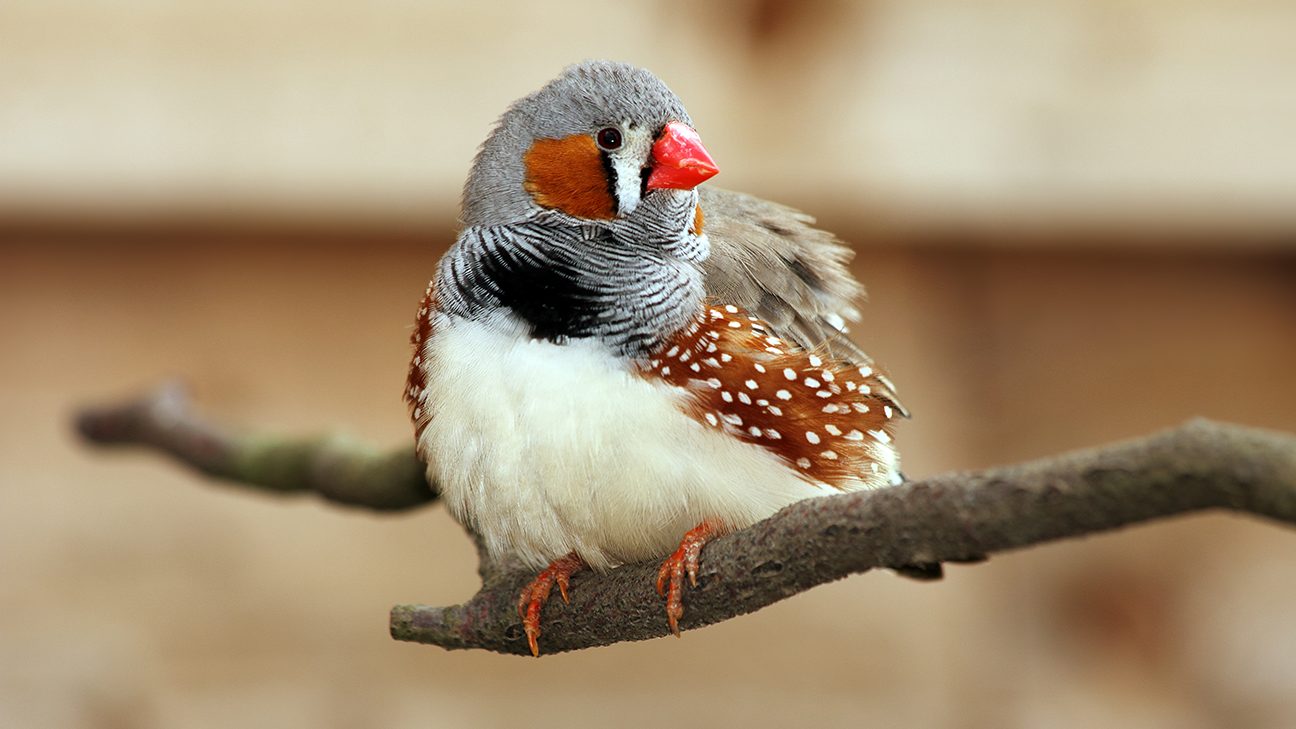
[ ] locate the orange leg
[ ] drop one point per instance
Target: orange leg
(535, 594)
(670, 578)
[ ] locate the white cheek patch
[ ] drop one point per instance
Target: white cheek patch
(628, 162)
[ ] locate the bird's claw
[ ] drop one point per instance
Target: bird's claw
(536, 594)
(682, 562)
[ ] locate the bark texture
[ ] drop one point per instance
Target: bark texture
(955, 517)
(334, 467)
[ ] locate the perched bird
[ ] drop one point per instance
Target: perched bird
(612, 363)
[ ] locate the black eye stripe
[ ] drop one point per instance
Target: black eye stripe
(610, 173)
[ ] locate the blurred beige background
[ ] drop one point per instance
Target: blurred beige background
(1076, 220)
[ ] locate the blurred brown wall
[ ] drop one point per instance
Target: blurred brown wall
(1076, 220)
(136, 595)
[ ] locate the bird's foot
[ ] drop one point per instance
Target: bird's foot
(670, 578)
(536, 593)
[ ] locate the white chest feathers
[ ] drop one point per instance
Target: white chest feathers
(547, 449)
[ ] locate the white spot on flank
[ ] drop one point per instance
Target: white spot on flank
(773, 340)
(815, 361)
(830, 408)
(711, 347)
(790, 373)
(711, 361)
(759, 367)
(756, 432)
(850, 385)
(751, 384)
(774, 350)
(726, 396)
(695, 367)
(685, 357)
(711, 418)
(811, 382)
(827, 376)
(803, 462)
(672, 351)
(865, 371)
(832, 429)
(762, 402)
(860, 407)
(726, 357)
(880, 436)
(731, 308)
(830, 455)
(716, 314)
(713, 335)
(418, 413)
(886, 410)
(776, 411)
(864, 390)
(735, 325)
(742, 398)
(823, 393)
(783, 395)
(665, 372)
(714, 382)
(854, 435)
(731, 419)
(812, 436)
(773, 434)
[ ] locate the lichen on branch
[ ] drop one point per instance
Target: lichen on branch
(337, 468)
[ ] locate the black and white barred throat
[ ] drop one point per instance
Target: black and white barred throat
(631, 282)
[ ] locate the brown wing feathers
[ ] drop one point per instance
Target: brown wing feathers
(826, 419)
(768, 259)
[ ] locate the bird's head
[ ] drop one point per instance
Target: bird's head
(593, 144)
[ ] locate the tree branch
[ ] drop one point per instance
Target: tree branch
(951, 517)
(334, 467)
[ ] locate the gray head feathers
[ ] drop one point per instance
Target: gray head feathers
(584, 98)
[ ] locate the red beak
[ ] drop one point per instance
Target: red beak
(680, 161)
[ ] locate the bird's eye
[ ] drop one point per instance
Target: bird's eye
(608, 139)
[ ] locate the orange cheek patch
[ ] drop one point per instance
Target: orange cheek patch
(698, 219)
(568, 174)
